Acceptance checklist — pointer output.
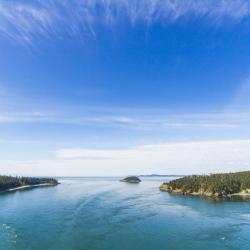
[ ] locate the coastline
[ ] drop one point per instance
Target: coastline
(24, 187)
(165, 188)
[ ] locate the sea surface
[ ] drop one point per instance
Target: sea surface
(103, 213)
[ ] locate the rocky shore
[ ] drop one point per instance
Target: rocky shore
(25, 187)
(166, 188)
(214, 185)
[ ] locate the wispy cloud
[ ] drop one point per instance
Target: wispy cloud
(147, 120)
(241, 98)
(24, 117)
(24, 21)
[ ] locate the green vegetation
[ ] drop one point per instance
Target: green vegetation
(210, 185)
(131, 179)
(8, 182)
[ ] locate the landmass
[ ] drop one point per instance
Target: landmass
(9, 183)
(131, 179)
(160, 175)
(217, 185)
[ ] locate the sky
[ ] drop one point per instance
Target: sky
(121, 87)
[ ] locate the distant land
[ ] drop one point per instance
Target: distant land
(161, 175)
(9, 183)
(217, 185)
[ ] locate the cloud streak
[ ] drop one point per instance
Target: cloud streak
(143, 119)
(24, 21)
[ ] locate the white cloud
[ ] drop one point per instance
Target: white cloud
(181, 153)
(169, 158)
(23, 21)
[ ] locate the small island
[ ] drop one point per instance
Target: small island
(215, 185)
(131, 179)
(9, 183)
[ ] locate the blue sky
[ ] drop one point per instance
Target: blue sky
(124, 87)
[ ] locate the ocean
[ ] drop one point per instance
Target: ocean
(103, 213)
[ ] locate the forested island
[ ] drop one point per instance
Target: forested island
(217, 185)
(131, 179)
(9, 183)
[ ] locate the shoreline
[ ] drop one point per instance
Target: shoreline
(164, 188)
(27, 187)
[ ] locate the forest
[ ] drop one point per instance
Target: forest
(7, 182)
(219, 184)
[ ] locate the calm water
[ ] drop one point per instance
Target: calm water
(102, 213)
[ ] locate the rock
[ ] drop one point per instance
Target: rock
(131, 179)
